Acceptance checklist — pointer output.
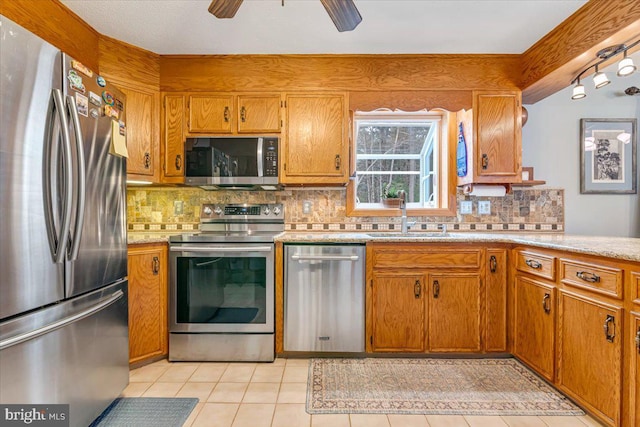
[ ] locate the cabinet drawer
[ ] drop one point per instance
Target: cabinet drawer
(598, 278)
(419, 258)
(537, 264)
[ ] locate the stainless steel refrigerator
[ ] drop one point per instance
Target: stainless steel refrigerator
(63, 258)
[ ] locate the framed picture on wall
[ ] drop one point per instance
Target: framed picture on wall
(608, 156)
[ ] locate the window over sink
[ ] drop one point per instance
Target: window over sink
(400, 150)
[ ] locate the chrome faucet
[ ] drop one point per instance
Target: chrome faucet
(403, 208)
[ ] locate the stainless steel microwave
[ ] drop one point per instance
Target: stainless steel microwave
(232, 162)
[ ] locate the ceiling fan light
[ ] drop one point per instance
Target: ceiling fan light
(600, 79)
(578, 92)
(626, 67)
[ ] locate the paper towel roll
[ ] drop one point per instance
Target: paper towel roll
(487, 191)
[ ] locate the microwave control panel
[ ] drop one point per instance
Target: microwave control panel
(270, 155)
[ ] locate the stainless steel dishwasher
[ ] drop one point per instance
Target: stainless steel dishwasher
(324, 298)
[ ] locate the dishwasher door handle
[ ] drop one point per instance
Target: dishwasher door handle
(301, 258)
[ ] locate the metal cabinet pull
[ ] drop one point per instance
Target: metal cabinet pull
(588, 277)
(436, 289)
(610, 320)
(226, 114)
(417, 289)
(546, 303)
(638, 340)
(533, 263)
(338, 162)
(243, 114)
(147, 160)
(485, 161)
(178, 162)
(493, 264)
(156, 266)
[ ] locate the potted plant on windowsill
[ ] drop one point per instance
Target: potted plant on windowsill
(390, 195)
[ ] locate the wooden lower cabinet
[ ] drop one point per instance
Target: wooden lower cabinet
(590, 354)
(148, 336)
(454, 312)
(398, 312)
(634, 378)
(534, 335)
(495, 290)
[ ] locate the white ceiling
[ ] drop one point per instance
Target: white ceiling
(303, 26)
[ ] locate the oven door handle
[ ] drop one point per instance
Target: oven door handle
(210, 249)
(301, 258)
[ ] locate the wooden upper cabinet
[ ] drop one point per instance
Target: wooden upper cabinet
(258, 113)
(398, 312)
(494, 146)
(142, 134)
(210, 113)
(173, 138)
(315, 146)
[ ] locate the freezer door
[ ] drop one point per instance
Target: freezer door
(97, 252)
(30, 72)
(324, 298)
(75, 353)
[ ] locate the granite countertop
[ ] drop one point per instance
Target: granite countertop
(140, 238)
(623, 248)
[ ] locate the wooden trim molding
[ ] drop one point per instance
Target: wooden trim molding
(127, 63)
(550, 64)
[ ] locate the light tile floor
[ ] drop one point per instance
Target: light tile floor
(274, 395)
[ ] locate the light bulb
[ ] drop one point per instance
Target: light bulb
(600, 79)
(626, 67)
(578, 91)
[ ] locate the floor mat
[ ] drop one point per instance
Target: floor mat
(146, 412)
(431, 386)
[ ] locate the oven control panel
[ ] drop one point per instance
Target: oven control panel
(242, 211)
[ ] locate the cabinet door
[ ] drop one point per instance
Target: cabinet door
(398, 312)
(635, 367)
(454, 312)
(173, 138)
(498, 150)
(534, 341)
(496, 300)
(590, 354)
(210, 113)
(258, 113)
(315, 143)
(147, 301)
(141, 133)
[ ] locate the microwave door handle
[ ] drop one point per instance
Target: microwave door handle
(259, 157)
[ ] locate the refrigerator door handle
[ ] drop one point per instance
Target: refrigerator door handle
(80, 186)
(27, 336)
(57, 242)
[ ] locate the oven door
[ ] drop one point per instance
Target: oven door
(221, 288)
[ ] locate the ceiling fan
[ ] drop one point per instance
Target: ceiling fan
(343, 13)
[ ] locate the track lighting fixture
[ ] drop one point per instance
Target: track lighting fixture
(626, 67)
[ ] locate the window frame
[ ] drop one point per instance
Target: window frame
(445, 159)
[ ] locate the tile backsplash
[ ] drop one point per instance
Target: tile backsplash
(178, 208)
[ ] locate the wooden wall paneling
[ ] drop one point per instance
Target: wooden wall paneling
(551, 63)
(127, 63)
(58, 25)
(230, 73)
(449, 100)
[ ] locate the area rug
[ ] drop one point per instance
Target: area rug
(431, 387)
(146, 412)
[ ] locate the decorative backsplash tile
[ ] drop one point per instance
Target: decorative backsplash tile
(178, 208)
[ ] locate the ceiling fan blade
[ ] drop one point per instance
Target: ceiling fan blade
(343, 13)
(224, 8)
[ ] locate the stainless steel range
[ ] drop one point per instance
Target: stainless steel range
(221, 295)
